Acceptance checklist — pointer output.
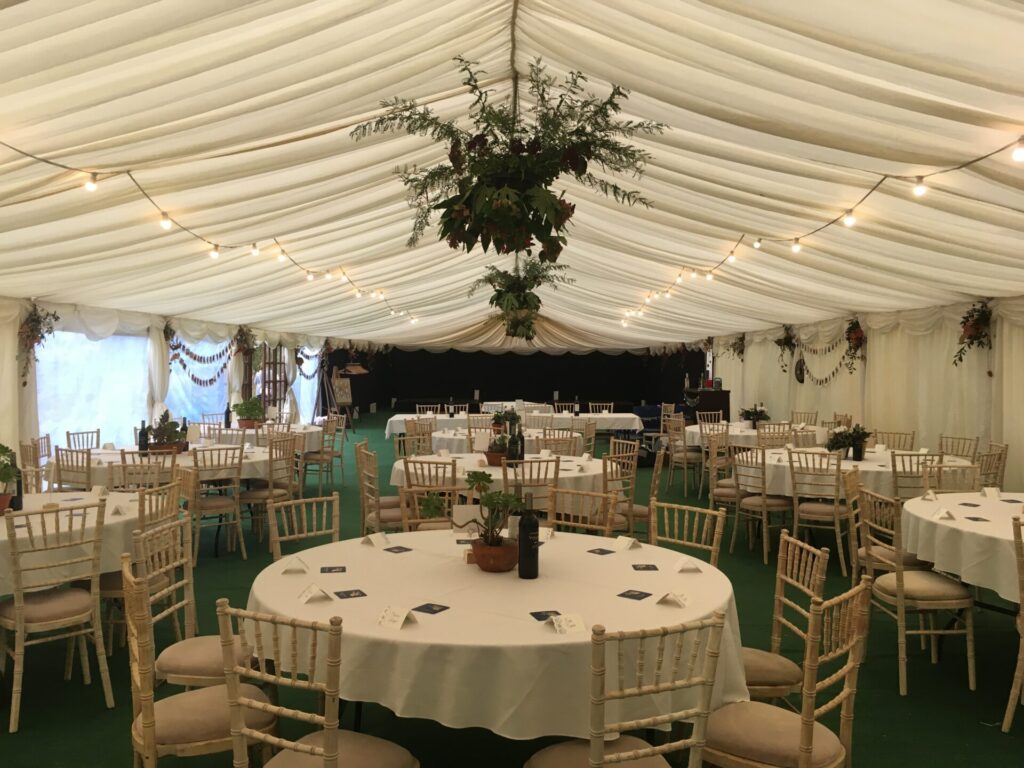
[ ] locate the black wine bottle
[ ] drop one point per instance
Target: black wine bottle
(576, 406)
(184, 424)
(529, 542)
(521, 440)
(143, 437)
(19, 489)
(227, 417)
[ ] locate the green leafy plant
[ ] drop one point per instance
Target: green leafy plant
(431, 505)
(498, 506)
(494, 187)
(856, 340)
(249, 409)
(479, 481)
(37, 325)
(498, 444)
(245, 341)
(786, 343)
(975, 330)
(737, 347)
(498, 418)
(514, 292)
(756, 413)
(8, 466)
(165, 430)
(842, 437)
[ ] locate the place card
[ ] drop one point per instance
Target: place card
(634, 594)
(930, 496)
(644, 567)
(295, 564)
(546, 533)
(687, 565)
(622, 543)
(444, 453)
(976, 519)
(348, 594)
(802, 425)
(923, 450)
(943, 514)
(990, 492)
(673, 598)
(544, 615)
(395, 618)
(314, 594)
(586, 457)
(431, 608)
(567, 623)
(879, 447)
(397, 549)
(601, 551)
(545, 453)
(99, 490)
(513, 526)
(378, 539)
(117, 511)
(333, 569)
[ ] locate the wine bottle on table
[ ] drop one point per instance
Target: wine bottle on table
(521, 440)
(512, 448)
(227, 417)
(451, 407)
(184, 424)
(576, 406)
(19, 489)
(529, 541)
(143, 437)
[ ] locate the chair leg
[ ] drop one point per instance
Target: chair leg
(69, 659)
(19, 672)
(765, 535)
(972, 682)
(901, 648)
(933, 639)
(839, 546)
(1016, 690)
(83, 657)
(238, 529)
(735, 528)
(101, 661)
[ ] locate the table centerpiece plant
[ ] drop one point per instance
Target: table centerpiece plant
(249, 412)
(496, 449)
(844, 439)
(493, 553)
(167, 435)
(495, 186)
(753, 415)
(8, 475)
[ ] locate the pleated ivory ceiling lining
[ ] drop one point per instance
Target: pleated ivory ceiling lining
(235, 117)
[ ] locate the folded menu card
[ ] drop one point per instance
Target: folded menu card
(314, 594)
(395, 618)
(673, 598)
(943, 514)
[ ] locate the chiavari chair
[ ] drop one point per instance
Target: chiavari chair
(302, 519)
(584, 512)
(807, 418)
(691, 528)
(434, 408)
(774, 434)
(322, 460)
(895, 441)
(81, 440)
(570, 408)
(1017, 684)
(681, 455)
(72, 469)
(992, 466)
(217, 491)
(598, 407)
(951, 478)
(538, 420)
(375, 511)
(816, 480)
(908, 472)
(416, 516)
(961, 447)
(531, 476)
(757, 506)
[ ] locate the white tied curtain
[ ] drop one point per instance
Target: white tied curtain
(291, 370)
(159, 373)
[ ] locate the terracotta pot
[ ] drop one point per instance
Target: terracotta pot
(5, 502)
(497, 429)
(249, 423)
(494, 458)
(495, 559)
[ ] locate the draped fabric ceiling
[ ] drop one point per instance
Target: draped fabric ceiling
(235, 117)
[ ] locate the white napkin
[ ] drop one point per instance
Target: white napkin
(395, 618)
(943, 514)
(622, 543)
(923, 450)
(314, 594)
(295, 564)
(444, 453)
(673, 598)
(545, 453)
(801, 425)
(930, 496)
(605, 410)
(567, 623)
(879, 447)
(100, 490)
(990, 492)
(545, 533)
(687, 565)
(379, 539)
(586, 457)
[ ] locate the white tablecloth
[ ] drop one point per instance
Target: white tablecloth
(875, 471)
(979, 552)
(486, 662)
(312, 433)
(607, 422)
(120, 520)
(574, 473)
(524, 406)
(254, 464)
(454, 441)
(741, 435)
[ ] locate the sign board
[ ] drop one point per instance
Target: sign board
(342, 387)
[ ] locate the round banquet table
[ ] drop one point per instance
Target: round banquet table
(741, 435)
(311, 432)
(606, 422)
(575, 473)
(120, 519)
(875, 470)
(979, 551)
(486, 661)
(455, 440)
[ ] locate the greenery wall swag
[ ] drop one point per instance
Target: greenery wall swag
(975, 330)
(494, 188)
(737, 347)
(856, 340)
(37, 325)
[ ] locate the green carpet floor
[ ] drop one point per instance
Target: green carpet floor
(940, 722)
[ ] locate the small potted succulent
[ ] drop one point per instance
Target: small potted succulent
(496, 450)
(431, 505)
(249, 412)
(491, 551)
(167, 435)
(8, 476)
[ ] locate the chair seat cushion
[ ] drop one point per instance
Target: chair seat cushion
(355, 750)
(50, 605)
(576, 754)
(201, 715)
(767, 734)
(922, 586)
(764, 668)
(726, 492)
(771, 503)
(320, 457)
(389, 517)
(195, 657)
(820, 509)
(889, 554)
(726, 482)
(216, 503)
(264, 494)
(390, 502)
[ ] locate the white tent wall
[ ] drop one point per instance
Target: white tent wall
(907, 381)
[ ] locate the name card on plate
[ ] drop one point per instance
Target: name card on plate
(622, 543)
(100, 490)
(922, 450)
(687, 565)
(673, 598)
(545, 533)
(314, 594)
(990, 493)
(930, 496)
(395, 618)
(567, 623)
(586, 457)
(295, 564)
(943, 514)
(379, 539)
(117, 511)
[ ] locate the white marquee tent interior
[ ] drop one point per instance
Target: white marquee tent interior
(235, 118)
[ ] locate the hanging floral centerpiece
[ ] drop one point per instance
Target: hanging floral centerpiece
(856, 340)
(37, 325)
(786, 343)
(975, 330)
(495, 187)
(514, 292)
(737, 347)
(244, 340)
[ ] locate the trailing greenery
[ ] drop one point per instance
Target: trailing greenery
(498, 506)
(37, 325)
(494, 188)
(842, 438)
(756, 413)
(514, 292)
(498, 444)
(249, 409)
(166, 431)
(975, 330)
(786, 343)
(8, 466)
(431, 505)
(856, 340)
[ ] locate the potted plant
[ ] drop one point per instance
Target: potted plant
(8, 475)
(975, 330)
(498, 422)
(839, 441)
(514, 292)
(512, 418)
(167, 435)
(431, 505)
(249, 412)
(496, 450)
(750, 416)
(491, 551)
(858, 436)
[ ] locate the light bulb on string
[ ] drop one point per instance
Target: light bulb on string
(709, 277)
(328, 275)
(344, 277)
(281, 256)
(667, 294)
(732, 257)
(639, 313)
(392, 312)
(254, 250)
(920, 188)
(647, 299)
(657, 295)
(679, 277)
(91, 183)
(757, 243)
(795, 247)
(359, 294)
(215, 252)
(165, 220)
(1018, 151)
(309, 277)
(380, 295)
(849, 219)
(693, 274)
(624, 323)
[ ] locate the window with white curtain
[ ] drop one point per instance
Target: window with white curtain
(305, 388)
(87, 384)
(191, 400)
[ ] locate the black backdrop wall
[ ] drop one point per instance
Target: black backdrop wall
(429, 376)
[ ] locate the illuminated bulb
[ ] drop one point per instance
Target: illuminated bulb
(380, 295)
(639, 313)
(215, 252)
(165, 220)
(402, 313)
(795, 247)
(254, 250)
(757, 243)
(920, 188)
(849, 219)
(657, 295)
(344, 277)
(414, 320)
(91, 183)
(328, 275)
(647, 299)
(693, 274)
(392, 312)
(1018, 151)
(309, 276)
(679, 277)
(359, 294)
(732, 257)
(667, 294)
(624, 324)
(709, 277)
(281, 256)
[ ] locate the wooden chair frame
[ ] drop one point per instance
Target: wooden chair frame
(79, 441)
(1017, 684)
(581, 511)
(816, 478)
(750, 473)
(299, 519)
(692, 528)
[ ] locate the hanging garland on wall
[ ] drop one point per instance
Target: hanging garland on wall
(856, 340)
(975, 330)
(737, 347)
(37, 325)
(787, 342)
(827, 349)
(299, 360)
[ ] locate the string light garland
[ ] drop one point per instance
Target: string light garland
(848, 218)
(169, 222)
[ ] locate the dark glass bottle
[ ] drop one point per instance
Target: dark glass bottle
(529, 542)
(512, 449)
(227, 417)
(521, 440)
(143, 437)
(184, 424)
(16, 499)
(576, 406)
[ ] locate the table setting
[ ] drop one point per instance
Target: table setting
(455, 440)
(583, 473)
(606, 422)
(741, 433)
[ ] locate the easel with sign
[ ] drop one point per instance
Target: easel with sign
(339, 396)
